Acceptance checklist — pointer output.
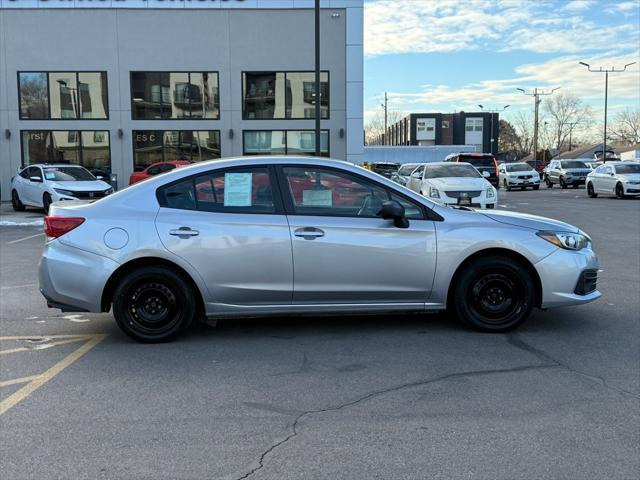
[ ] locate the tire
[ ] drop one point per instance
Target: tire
(536, 187)
(506, 186)
(493, 294)
(153, 304)
(620, 191)
(563, 184)
(590, 191)
(575, 185)
(548, 182)
(46, 202)
(17, 205)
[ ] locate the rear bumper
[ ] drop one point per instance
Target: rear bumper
(562, 274)
(72, 279)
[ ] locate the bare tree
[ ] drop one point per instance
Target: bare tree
(562, 112)
(375, 126)
(523, 125)
(626, 127)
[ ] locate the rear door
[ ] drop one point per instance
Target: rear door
(230, 226)
(343, 252)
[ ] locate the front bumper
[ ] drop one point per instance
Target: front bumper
(476, 202)
(562, 273)
(631, 189)
(522, 182)
(571, 180)
(72, 279)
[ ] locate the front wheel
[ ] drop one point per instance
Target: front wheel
(506, 186)
(548, 182)
(493, 294)
(17, 205)
(153, 304)
(46, 203)
(590, 191)
(536, 187)
(619, 191)
(563, 184)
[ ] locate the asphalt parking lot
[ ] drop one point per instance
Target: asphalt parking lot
(358, 397)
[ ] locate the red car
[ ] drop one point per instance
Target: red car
(156, 169)
(537, 165)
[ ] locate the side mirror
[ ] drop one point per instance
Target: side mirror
(392, 210)
(100, 177)
(486, 174)
(35, 179)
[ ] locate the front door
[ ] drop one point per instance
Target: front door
(228, 225)
(343, 252)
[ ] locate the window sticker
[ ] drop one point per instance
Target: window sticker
(49, 175)
(237, 189)
(317, 198)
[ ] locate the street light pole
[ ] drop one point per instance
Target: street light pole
(537, 93)
(317, 75)
(384, 105)
(606, 92)
(493, 111)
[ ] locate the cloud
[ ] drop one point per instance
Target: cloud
(626, 8)
(411, 26)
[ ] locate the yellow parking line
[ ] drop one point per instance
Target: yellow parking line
(42, 346)
(15, 381)
(40, 380)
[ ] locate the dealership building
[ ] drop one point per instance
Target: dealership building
(117, 85)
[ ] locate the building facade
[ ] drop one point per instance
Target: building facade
(462, 128)
(116, 85)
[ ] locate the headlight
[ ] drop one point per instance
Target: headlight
(490, 193)
(61, 191)
(433, 192)
(108, 191)
(567, 240)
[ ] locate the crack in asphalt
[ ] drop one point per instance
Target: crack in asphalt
(516, 341)
(377, 393)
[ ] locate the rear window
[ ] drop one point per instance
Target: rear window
(478, 161)
(518, 167)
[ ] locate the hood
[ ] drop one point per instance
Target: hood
(632, 177)
(458, 183)
(530, 221)
(82, 185)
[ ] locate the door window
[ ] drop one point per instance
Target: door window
(246, 190)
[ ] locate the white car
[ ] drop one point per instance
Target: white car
(615, 178)
(41, 185)
(518, 175)
(403, 173)
(449, 183)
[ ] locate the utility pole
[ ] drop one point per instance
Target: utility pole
(571, 125)
(606, 91)
(536, 94)
(384, 105)
(493, 111)
(317, 76)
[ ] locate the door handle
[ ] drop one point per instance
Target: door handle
(309, 233)
(184, 232)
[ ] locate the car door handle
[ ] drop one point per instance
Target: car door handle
(184, 232)
(309, 233)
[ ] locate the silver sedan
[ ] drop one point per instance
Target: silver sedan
(273, 236)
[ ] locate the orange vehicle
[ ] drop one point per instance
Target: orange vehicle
(156, 169)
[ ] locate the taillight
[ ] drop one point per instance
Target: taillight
(495, 164)
(55, 227)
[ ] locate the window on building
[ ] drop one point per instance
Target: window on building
(174, 95)
(284, 142)
(63, 95)
(151, 146)
(283, 95)
(68, 146)
(473, 124)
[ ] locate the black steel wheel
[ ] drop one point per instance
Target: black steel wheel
(590, 191)
(17, 205)
(153, 304)
(493, 294)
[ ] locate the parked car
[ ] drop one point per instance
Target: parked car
(386, 169)
(537, 165)
(484, 162)
(454, 184)
(404, 172)
(160, 255)
(156, 169)
(621, 179)
(566, 172)
(519, 175)
(42, 184)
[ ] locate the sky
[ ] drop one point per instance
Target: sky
(451, 55)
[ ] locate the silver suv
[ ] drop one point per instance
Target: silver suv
(566, 172)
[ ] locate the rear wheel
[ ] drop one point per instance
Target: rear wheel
(619, 190)
(46, 202)
(493, 294)
(153, 304)
(17, 205)
(590, 191)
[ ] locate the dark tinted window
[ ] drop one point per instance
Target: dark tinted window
(573, 164)
(628, 169)
(477, 161)
(518, 167)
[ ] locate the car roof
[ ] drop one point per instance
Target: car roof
(54, 165)
(447, 164)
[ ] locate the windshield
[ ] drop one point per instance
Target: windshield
(574, 164)
(385, 166)
(627, 169)
(67, 174)
(407, 169)
(479, 161)
(453, 170)
(519, 167)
